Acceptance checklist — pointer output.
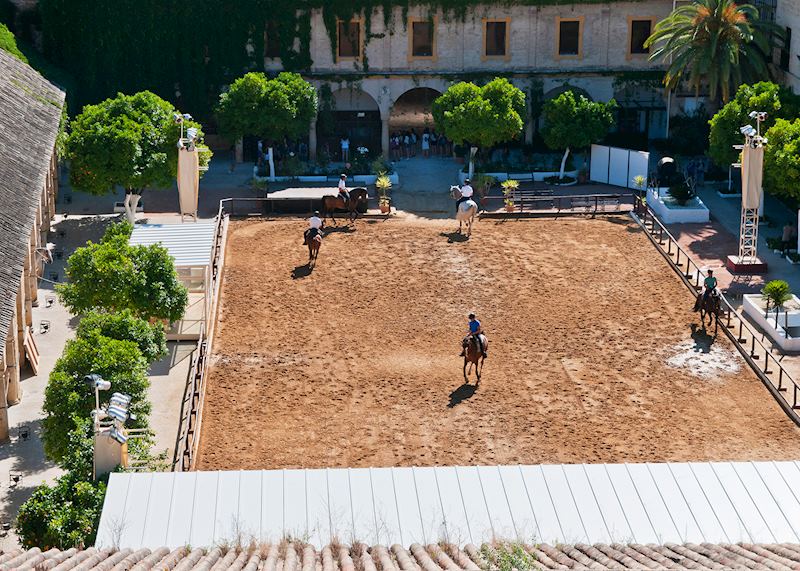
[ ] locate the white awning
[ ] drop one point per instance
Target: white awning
(190, 244)
(698, 502)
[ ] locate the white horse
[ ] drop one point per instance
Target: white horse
(465, 214)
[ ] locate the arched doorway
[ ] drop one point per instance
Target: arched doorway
(412, 110)
(352, 113)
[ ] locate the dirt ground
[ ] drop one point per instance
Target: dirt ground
(595, 355)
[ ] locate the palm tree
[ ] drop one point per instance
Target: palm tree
(776, 292)
(714, 42)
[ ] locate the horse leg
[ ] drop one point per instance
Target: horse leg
(466, 380)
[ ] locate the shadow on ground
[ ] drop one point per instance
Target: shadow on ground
(461, 394)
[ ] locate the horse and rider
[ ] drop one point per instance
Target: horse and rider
(466, 207)
(346, 199)
(708, 303)
(312, 237)
(474, 347)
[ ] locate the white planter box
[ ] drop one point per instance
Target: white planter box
(753, 307)
(312, 178)
(725, 195)
(695, 212)
(520, 175)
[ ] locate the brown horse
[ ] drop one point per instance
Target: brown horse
(313, 249)
(330, 203)
(474, 356)
(710, 306)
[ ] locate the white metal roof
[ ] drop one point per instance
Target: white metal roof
(721, 502)
(190, 244)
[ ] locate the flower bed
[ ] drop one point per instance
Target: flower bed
(670, 212)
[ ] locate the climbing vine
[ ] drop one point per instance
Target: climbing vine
(187, 52)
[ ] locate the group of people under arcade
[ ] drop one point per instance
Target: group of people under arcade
(406, 144)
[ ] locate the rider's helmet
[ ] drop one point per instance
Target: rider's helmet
(316, 213)
(472, 316)
(466, 181)
(342, 176)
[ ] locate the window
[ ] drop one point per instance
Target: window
(349, 40)
(570, 42)
(639, 31)
(495, 38)
(422, 39)
(786, 50)
(272, 45)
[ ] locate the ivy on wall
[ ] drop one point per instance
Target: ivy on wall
(187, 51)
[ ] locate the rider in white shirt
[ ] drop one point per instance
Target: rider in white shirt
(343, 189)
(466, 193)
(314, 227)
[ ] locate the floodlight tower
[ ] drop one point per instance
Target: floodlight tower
(110, 437)
(747, 260)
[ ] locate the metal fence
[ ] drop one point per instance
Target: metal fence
(742, 334)
(537, 201)
(192, 406)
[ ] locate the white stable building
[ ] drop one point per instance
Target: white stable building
(191, 247)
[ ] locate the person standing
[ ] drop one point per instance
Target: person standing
(786, 238)
(345, 144)
(426, 144)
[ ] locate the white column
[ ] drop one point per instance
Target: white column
(385, 137)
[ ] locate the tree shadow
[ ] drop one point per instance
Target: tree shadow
(462, 393)
(301, 272)
(702, 340)
(454, 237)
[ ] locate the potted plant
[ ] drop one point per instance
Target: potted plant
(776, 293)
(681, 193)
(509, 187)
(383, 184)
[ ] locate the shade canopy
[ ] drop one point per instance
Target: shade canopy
(189, 244)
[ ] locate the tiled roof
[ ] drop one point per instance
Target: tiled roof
(296, 556)
(30, 112)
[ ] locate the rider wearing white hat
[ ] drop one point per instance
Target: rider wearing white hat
(466, 193)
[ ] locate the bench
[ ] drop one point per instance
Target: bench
(596, 203)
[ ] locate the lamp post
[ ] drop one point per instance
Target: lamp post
(747, 260)
(110, 449)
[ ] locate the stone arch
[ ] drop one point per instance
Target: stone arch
(355, 114)
(412, 109)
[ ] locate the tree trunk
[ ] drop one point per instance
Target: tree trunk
(563, 163)
(132, 197)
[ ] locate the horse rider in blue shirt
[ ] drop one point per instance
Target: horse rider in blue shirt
(475, 330)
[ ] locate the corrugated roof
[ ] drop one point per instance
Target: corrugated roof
(30, 112)
(719, 502)
(297, 556)
(190, 244)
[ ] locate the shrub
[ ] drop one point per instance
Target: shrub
(68, 398)
(681, 192)
(124, 326)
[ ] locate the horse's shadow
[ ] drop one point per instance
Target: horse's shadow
(454, 237)
(303, 271)
(462, 393)
(347, 229)
(702, 340)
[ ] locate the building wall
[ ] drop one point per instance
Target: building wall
(13, 357)
(788, 16)
(459, 51)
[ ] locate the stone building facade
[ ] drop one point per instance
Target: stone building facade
(596, 48)
(30, 113)
(787, 15)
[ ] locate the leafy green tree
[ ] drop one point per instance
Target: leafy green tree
(483, 116)
(63, 515)
(114, 276)
(572, 121)
(718, 43)
(128, 141)
(270, 108)
(778, 102)
(68, 397)
(124, 326)
(782, 159)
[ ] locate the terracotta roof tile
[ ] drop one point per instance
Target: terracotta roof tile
(297, 556)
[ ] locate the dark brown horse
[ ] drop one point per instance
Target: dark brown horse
(712, 307)
(358, 198)
(313, 249)
(474, 356)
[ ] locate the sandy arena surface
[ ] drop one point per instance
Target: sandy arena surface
(594, 353)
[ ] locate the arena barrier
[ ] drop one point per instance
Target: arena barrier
(745, 338)
(188, 437)
(542, 202)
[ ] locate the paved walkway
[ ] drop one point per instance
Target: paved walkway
(425, 185)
